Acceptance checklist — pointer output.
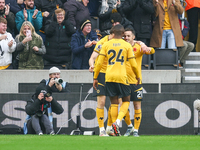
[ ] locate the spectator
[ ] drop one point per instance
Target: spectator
(165, 27)
(58, 38)
(193, 13)
(83, 43)
(77, 11)
(9, 16)
(93, 7)
(30, 47)
(188, 46)
(112, 15)
(7, 46)
(39, 110)
(140, 13)
(31, 14)
(47, 7)
(52, 84)
(15, 5)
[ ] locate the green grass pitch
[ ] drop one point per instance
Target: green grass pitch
(81, 142)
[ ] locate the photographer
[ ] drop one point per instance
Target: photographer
(55, 83)
(40, 109)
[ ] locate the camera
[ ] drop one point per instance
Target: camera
(44, 105)
(58, 80)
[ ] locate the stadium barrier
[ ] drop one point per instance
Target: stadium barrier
(162, 113)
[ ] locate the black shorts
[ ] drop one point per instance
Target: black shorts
(136, 92)
(101, 86)
(117, 89)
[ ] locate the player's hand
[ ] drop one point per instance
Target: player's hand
(95, 84)
(91, 69)
(143, 48)
(94, 42)
(138, 79)
(148, 50)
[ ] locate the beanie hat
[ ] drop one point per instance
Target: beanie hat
(115, 17)
(54, 70)
(40, 89)
(84, 22)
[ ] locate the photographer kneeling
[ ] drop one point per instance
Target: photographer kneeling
(39, 110)
(55, 83)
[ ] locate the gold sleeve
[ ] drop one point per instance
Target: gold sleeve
(134, 66)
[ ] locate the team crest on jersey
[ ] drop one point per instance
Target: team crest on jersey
(99, 47)
(134, 49)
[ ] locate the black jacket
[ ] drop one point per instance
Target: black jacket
(140, 13)
(58, 38)
(106, 25)
(10, 20)
(34, 105)
(76, 12)
(47, 5)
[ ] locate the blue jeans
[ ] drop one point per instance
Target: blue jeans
(168, 36)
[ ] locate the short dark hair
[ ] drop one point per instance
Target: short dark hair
(129, 29)
(118, 30)
(3, 20)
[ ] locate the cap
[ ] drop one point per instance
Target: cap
(40, 89)
(54, 70)
(84, 22)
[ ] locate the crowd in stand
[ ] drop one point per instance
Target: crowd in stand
(39, 34)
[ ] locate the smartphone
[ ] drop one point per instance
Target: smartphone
(28, 33)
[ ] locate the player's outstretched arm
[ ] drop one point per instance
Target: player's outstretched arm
(91, 60)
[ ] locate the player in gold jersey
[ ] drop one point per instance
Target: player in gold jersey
(136, 90)
(100, 92)
(117, 52)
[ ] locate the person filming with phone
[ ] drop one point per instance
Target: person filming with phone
(30, 48)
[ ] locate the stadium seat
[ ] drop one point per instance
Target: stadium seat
(95, 22)
(146, 62)
(165, 59)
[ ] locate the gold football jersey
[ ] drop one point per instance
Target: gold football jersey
(138, 55)
(117, 52)
(98, 49)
